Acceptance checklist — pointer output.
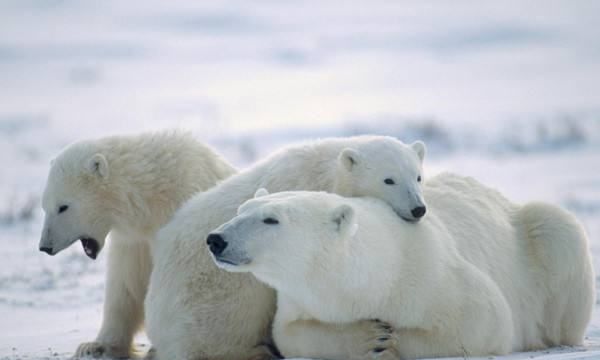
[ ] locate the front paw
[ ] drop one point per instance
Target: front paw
(380, 343)
(98, 350)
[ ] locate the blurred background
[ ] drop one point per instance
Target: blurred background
(508, 92)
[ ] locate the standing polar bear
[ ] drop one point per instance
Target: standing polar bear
(478, 276)
(127, 186)
(195, 310)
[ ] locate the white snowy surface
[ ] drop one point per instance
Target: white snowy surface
(508, 92)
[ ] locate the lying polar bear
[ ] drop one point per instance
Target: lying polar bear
(478, 276)
(128, 186)
(195, 310)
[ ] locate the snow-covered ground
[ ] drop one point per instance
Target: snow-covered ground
(508, 92)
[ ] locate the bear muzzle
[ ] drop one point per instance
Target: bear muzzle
(216, 243)
(418, 212)
(47, 250)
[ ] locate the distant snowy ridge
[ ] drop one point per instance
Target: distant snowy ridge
(516, 136)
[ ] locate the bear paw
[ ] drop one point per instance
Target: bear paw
(97, 350)
(379, 343)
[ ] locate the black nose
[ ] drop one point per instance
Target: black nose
(216, 243)
(418, 212)
(47, 250)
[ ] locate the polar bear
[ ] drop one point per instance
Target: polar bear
(478, 276)
(196, 311)
(127, 186)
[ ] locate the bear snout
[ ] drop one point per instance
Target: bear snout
(47, 250)
(216, 243)
(418, 212)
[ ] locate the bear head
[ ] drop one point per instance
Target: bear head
(387, 169)
(282, 235)
(77, 201)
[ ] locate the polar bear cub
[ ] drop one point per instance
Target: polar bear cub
(127, 186)
(227, 316)
(478, 276)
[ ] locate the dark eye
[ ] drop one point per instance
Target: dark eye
(419, 178)
(63, 208)
(270, 221)
(389, 181)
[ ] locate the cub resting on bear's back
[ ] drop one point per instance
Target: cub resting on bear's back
(478, 276)
(127, 186)
(194, 310)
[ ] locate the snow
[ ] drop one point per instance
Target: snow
(507, 92)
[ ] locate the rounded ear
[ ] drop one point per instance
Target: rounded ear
(261, 192)
(343, 217)
(419, 147)
(349, 158)
(98, 166)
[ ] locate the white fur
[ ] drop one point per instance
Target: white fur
(196, 311)
(127, 186)
(478, 276)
